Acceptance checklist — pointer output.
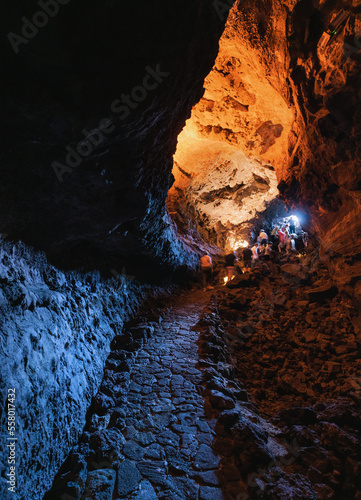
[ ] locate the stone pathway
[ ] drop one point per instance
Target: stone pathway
(168, 446)
(173, 420)
(152, 440)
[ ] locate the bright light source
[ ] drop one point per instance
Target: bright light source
(235, 241)
(239, 244)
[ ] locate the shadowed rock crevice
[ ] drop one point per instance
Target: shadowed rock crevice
(91, 115)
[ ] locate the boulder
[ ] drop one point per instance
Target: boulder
(220, 401)
(100, 484)
(293, 486)
(240, 281)
(128, 478)
(298, 416)
(323, 293)
(206, 459)
(107, 444)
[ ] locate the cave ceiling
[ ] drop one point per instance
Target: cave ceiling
(93, 102)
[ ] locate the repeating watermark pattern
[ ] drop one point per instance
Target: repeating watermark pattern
(30, 27)
(116, 274)
(222, 7)
(48, 9)
(121, 109)
(350, 50)
(11, 445)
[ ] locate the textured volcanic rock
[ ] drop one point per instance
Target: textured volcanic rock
(298, 361)
(325, 169)
(225, 185)
(56, 330)
(281, 97)
(276, 93)
(236, 141)
(66, 79)
(244, 102)
(278, 331)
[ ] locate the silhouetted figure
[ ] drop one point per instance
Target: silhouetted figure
(305, 239)
(207, 271)
(247, 259)
(292, 226)
(230, 260)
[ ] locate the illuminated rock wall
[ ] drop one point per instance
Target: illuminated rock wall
(277, 96)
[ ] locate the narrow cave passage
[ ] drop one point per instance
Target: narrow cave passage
(137, 138)
(227, 395)
(147, 429)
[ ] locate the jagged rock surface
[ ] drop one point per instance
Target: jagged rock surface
(56, 330)
(137, 65)
(214, 404)
(275, 94)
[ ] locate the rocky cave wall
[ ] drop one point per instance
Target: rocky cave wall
(70, 75)
(273, 94)
(56, 330)
(234, 148)
(93, 98)
(278, 99)
(321, 85)
(325, 169)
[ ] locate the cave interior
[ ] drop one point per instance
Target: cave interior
(138, 138)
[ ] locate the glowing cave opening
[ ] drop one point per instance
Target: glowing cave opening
(233, 150)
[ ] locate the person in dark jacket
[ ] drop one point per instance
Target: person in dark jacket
(230, 261)
(292, 225)
(247, 259)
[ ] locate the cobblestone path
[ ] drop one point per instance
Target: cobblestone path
(147, 436)
(168, 445)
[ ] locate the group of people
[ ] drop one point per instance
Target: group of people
(285, 238)
(230, 260)
(281, 239)
(207, 269)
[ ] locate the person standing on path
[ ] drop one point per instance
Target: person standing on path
(268, 252)
(207, 271)
(281, 239)
(292, 225)
(247, 259)
(290, 245)
(255, 254)
(274, 234)
(263, 237)
(230, 260)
